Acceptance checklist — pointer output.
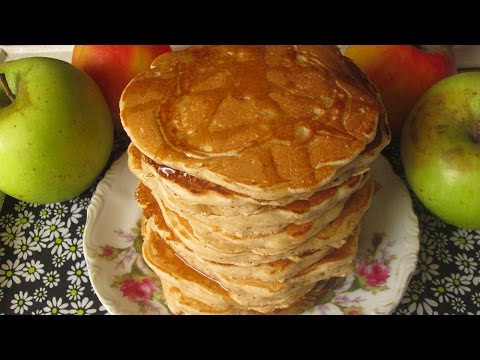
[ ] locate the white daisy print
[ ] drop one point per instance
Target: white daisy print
(458, 284)
(45, 213)
(24, 219)
(2, 251)
(440, 240)
(60, 210)
(466, 263)
(40, 294)
(57, 244)
(440, 290)
(73, 249)
(427, 245)
(79, 231)
(82, 202)
(2, 294)
(74, 292)
(55, 307)
(420, 306)
(463, 239)
(476, 299)
(430, 223)
(10, 235)
(412, 293)
(75, 214)
(55, 228)
(38, 312)
(78, 273)
(82, 307)
(39, 224)
(51, 279)
(7, 220)
(444, 255)
(32, 271)
(39, 236)
(417, 303)
(426, 268)
(21, 302)
(25, 247)
(417, 287)
(458, 305)
(10, 273)
(20, 206)
(58, 260)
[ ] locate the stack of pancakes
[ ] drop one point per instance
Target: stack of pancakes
(253, 164)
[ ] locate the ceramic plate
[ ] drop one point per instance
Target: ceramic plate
(386, 258)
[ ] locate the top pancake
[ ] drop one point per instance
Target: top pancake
(265, 121)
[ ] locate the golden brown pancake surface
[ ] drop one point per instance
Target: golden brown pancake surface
(267, 121)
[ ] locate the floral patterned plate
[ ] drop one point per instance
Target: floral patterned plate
(386, 259)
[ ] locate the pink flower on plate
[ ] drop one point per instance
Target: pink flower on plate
(137, 290)
(355, 310)
(106, 251)
(375, 273)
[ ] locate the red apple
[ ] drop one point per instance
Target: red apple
(113, 66)
(402, 74)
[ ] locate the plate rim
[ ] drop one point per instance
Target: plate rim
(96, 204)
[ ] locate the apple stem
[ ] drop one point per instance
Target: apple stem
(475, 131)
(3, 80)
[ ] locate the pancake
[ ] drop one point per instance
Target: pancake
(264, 121)
(181, 304)
(203, 192)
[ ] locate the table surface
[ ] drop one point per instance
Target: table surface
(43, 270)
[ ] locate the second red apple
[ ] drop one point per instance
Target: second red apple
(402, 74)
(113, 66)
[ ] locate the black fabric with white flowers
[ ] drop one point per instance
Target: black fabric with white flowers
(43, 271)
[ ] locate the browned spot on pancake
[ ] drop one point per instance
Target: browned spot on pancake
(298, 229)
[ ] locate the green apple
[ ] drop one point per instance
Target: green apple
(56, 131)
(440, 149)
